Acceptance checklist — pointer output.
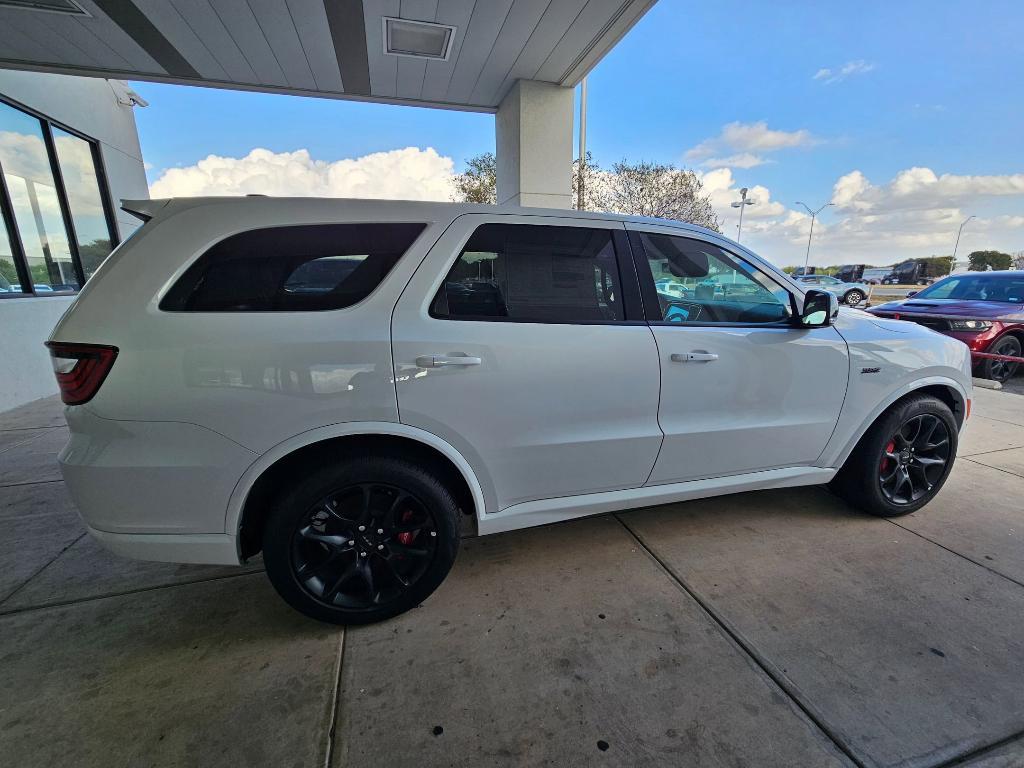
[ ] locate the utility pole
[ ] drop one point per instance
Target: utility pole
(814, 215)
(581, 168)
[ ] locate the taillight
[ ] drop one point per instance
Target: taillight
(80, 369)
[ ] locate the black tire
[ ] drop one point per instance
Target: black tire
(324, 566)
(1001, 370)
(854, 297)
(863, 483)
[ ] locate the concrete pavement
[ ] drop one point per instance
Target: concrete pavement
(774, 628)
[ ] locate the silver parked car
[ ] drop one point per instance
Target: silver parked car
(851, 294)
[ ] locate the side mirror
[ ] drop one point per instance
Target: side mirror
(911, 294)
(820, 309)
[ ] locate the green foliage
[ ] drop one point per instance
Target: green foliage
(983, 260)
(938, 266)
(637, 189)
(479, 183)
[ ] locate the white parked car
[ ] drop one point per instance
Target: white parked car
(344, 384)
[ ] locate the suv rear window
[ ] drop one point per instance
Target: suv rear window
(292, 269)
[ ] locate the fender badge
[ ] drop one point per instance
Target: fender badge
(870, 370)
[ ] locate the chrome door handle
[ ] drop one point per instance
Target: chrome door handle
(694, 357)
(440, 361)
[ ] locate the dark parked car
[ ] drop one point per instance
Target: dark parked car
(985, 310)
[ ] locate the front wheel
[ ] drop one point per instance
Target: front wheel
(903, 460)
(362, 540)
(855, 297)
(1002, 370)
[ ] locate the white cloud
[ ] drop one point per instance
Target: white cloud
(406, 174)
(747, 143)
(917, 213)
(829, 75)
(920, 188)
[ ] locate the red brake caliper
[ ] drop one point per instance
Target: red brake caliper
(406, 538)
(885, 459)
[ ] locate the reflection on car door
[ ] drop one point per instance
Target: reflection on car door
(540, 375)
(741, 389)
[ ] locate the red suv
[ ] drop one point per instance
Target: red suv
(985, 310)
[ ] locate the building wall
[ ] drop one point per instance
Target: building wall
(90, 106)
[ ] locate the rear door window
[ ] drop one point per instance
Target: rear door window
(534, 274)
(292, 269)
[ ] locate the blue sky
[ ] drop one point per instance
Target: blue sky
(815, 93)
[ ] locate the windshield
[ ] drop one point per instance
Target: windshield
(981, 286)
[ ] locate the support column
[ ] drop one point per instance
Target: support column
(534, 145)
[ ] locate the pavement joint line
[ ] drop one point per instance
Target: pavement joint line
(954, 552)
(42, 568)
(981, 751)
(336, 703)
(789, 688)
(31, 482)
(108, 595)
(28, 439)
(1003, 421)
(27, 429)
(983, 464)
(986, 453)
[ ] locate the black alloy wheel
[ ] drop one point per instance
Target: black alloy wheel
(361, 540)
(914, 459)
(363, 545)
(1002, 370)
(903, 460)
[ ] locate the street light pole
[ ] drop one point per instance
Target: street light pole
(742, 203)
(814, 215)
(958, 233)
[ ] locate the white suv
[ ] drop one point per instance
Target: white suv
(342, 384)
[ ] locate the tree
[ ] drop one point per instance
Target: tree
(1018, 260)
(641, 189)
(939, 266)
(479, 183)
(654, 189)
(981, 261)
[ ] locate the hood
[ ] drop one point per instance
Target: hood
(989, 310)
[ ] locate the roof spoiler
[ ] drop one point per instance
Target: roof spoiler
(144, 210)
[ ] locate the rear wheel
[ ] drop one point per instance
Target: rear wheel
(903, 460)
(1002, 370)
(854, 297)
(361, 541)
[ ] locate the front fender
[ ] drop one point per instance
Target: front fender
(841, 446)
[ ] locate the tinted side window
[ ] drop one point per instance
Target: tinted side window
(533, 273)
(698, 282)
(292, 269)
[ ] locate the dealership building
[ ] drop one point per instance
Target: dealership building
(69, 149)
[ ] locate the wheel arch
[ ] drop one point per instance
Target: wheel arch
(945, 389)
(256, 489)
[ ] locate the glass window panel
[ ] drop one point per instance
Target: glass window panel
(697, 282)
(26, 168)
(292, 269)
(533, 273)
(82, 186)
(9, 280)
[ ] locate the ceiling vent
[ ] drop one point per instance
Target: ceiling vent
(50, 6)
(419, 39)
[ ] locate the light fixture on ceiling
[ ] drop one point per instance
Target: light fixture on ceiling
(50, 6)
(418, 39)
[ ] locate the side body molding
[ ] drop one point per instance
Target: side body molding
(233, 514)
